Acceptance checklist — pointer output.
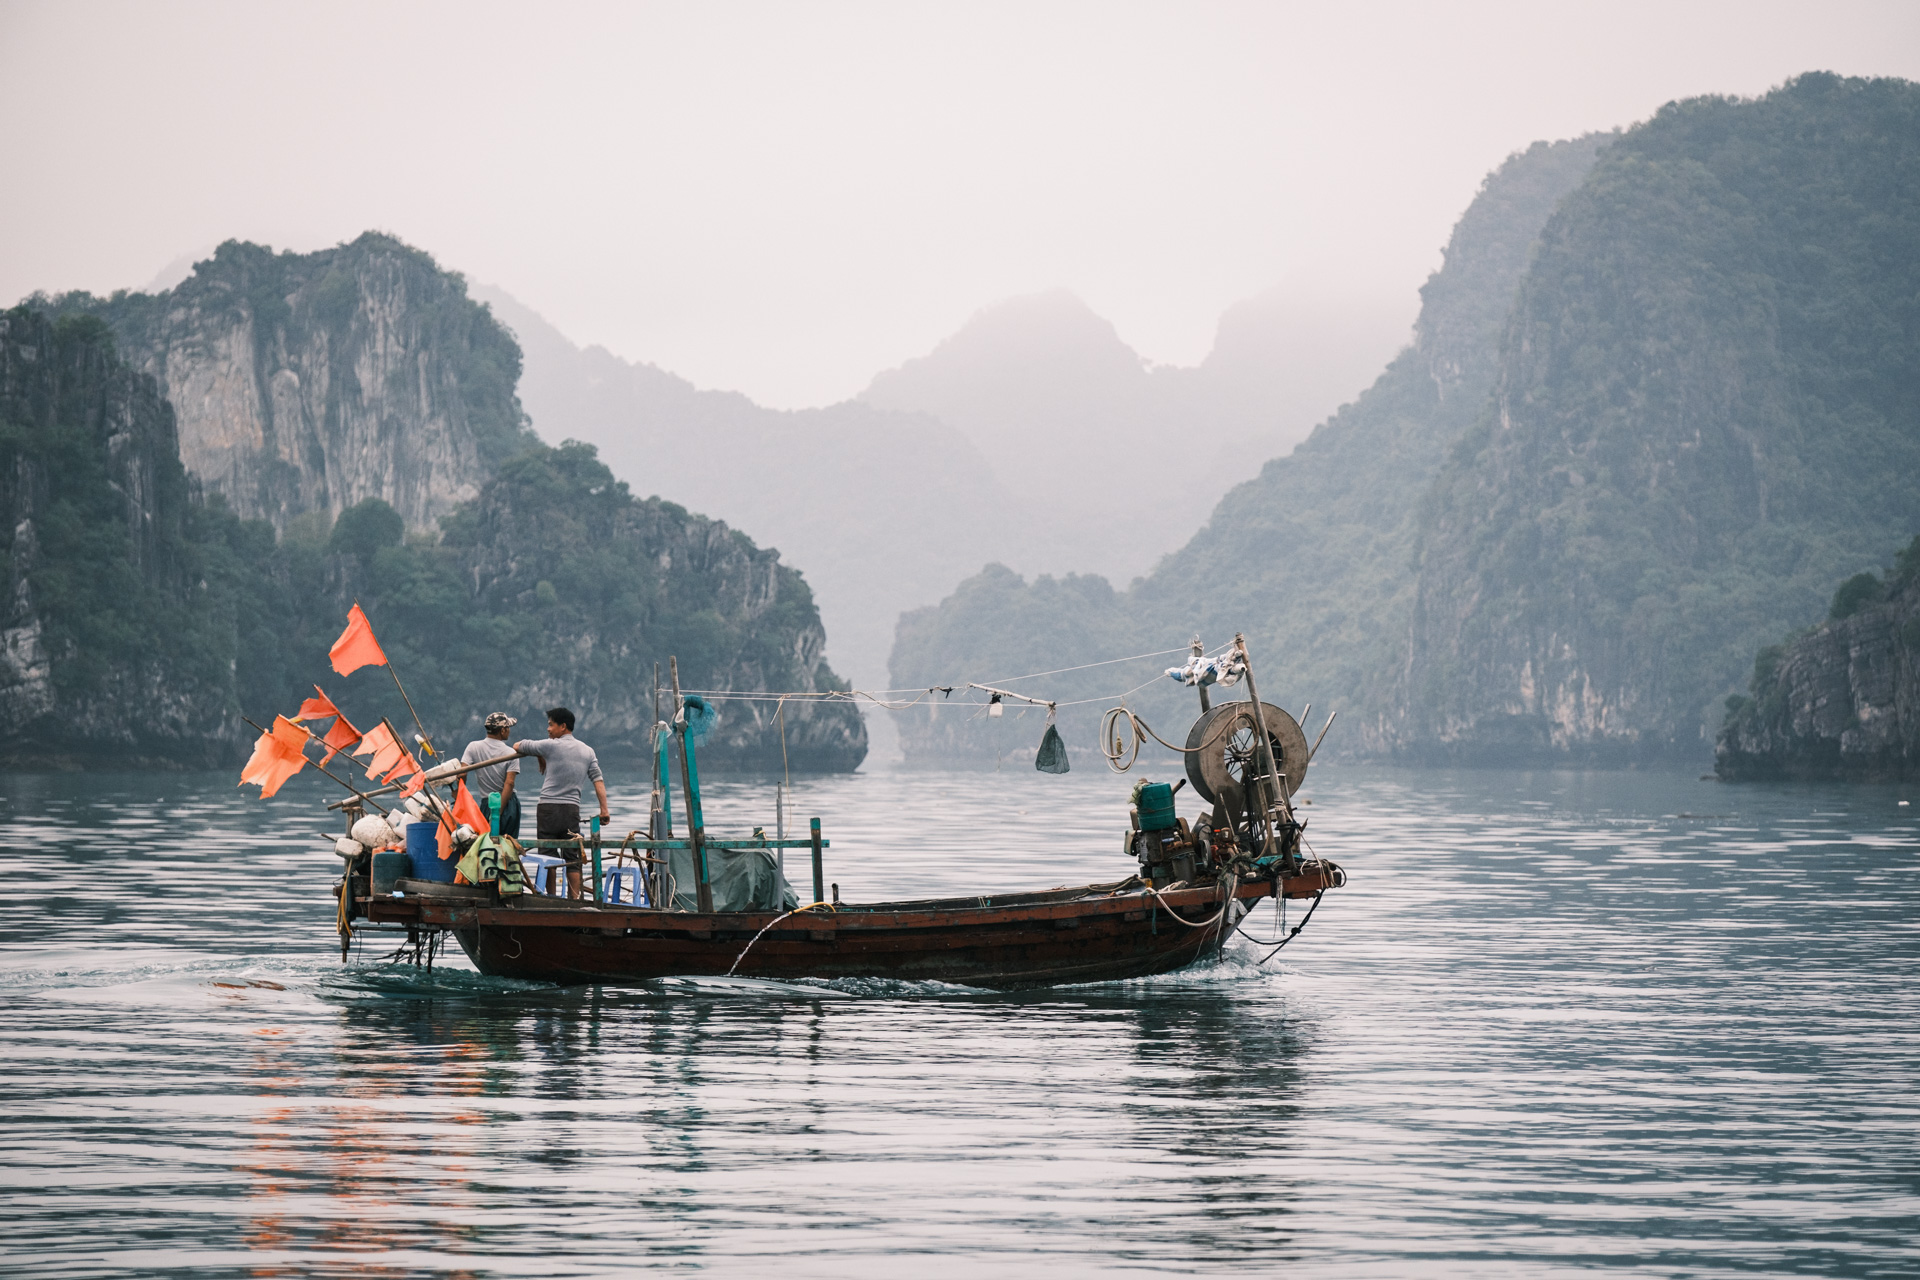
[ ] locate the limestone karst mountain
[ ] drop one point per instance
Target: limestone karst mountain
(309, 382)
(153, 603)
(1662, 396)
(1313, 558)
(1705, 415)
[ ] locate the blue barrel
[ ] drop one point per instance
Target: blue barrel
(423, 847)
(1156, 807)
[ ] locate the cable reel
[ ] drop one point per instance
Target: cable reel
(1221, 752)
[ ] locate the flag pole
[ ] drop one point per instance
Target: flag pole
(322, 768)
(425, 741)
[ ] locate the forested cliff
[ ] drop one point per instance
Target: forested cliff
(357, 419)
(1312, 558)
(1705, 415)
(1662, 395)
(110, 648)
(1842, 700)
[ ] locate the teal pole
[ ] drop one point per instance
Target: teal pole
(819, 868)
(696, 825)
(597, 886)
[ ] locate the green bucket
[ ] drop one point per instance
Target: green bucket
(1155, 802)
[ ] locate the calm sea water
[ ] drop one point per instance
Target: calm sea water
(1556, 1023)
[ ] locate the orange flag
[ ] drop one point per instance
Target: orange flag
(277, 756)
(356, 647)
(339, 738)
(385, 749)
(317, 708)
(407, 767)
(466, 809)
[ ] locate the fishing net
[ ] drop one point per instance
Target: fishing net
(1052, 755)
(701, 717)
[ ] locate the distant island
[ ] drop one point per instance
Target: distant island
(1841, 700)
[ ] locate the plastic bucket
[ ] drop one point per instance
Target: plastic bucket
(423, 847)
(1156, 807)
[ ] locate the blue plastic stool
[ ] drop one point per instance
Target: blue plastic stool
(629, 876)
(535, 865)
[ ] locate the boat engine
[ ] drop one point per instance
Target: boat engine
(1224, 764)
(1159, 838)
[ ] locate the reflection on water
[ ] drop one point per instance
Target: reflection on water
(1556, 1022)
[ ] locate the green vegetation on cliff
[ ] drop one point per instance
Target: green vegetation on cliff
(111, 640)
(143, 622)
(1705, 413)
(1842, 699)
(1313, 558)
(1659, 402)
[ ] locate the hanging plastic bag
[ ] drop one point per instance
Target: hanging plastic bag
(1052, 755)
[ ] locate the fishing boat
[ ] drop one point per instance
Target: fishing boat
(659, 905)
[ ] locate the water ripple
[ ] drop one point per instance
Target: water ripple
(1557, 1023)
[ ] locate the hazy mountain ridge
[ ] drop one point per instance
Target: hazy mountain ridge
(885, 510)
(1072, 420)
(1314, 557)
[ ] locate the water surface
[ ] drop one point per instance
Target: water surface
(1556, 1023)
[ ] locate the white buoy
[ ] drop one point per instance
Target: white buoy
(348, 848)
(374, 832)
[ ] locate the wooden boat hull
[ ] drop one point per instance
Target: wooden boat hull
(1092, 934)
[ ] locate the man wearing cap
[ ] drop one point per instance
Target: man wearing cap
(496, 777)
(569, 765)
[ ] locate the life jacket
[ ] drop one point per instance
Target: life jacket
(495, 860)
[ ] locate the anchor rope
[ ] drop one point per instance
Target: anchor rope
(811, 906)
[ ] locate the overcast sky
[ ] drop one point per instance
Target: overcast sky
(785, 198)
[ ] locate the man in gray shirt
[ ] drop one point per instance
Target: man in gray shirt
(568, 765)
(496, 777)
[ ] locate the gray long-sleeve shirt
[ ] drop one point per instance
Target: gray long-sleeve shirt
(571, 765)
(494, 777)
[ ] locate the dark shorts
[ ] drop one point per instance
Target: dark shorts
(558, 822)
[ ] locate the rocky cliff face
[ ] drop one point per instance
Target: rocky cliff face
(1703, 413)
(1840, 702)
(109, 650)
(308, 382)
(1313, 559)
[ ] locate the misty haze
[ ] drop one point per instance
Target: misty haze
(864, 637)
